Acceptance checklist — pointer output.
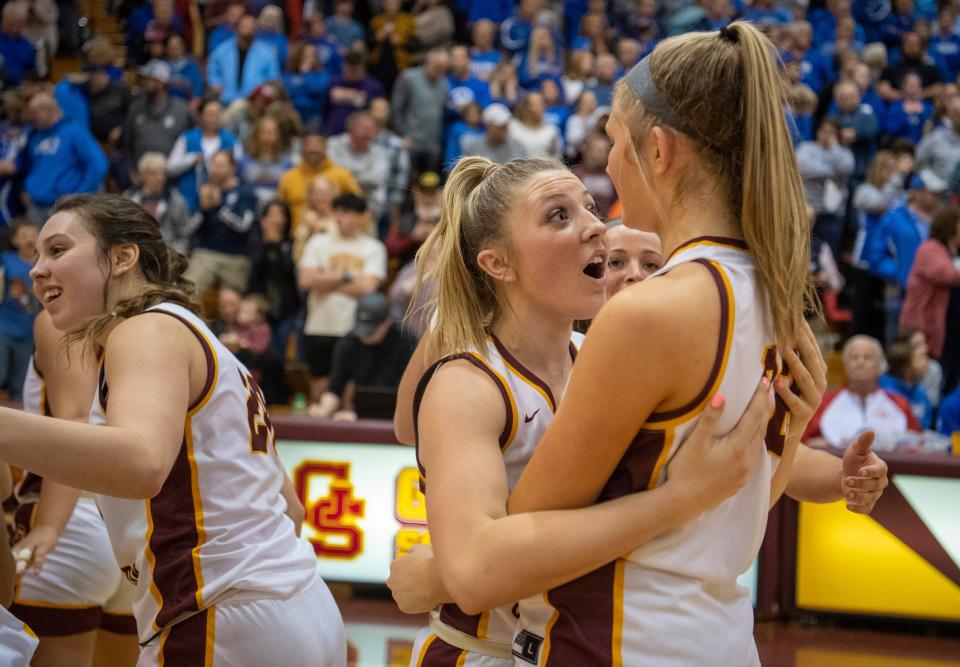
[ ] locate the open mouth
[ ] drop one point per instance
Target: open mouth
(596, 268)
(52, 294)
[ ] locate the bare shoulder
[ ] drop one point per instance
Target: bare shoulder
(151, 335)
(662, 308)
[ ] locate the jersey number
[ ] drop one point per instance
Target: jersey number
(261, 430)
(780, 419)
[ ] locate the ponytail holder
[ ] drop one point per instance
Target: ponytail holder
(728, 35)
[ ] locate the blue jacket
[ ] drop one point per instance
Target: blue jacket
(890, 252)
(308, 92)
(899, 123)
(223, 69)
(19, 57)
(454, 150)
(189, 181)
(916, 394)
(218, 36)
(72, 98)
(945, 52)
(949, 419)
(63, 159)
(190, 79)
(279, 43)
(18, 306)
(328, 53)
(495, 10)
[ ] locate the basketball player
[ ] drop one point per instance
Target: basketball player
(17, 641)
(519, 246)
(72, 595)
(633, 256)
(178, 421)
(701, 156)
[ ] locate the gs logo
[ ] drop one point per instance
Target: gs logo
(332, 510)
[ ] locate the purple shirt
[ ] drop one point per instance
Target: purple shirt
(337, 112)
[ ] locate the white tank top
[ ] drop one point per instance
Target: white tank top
(530, 406)
(217, 529)
(629, 610)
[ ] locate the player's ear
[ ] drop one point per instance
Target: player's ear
(123, 258)
(494, 262)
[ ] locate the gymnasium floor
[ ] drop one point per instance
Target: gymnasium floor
(380, 636)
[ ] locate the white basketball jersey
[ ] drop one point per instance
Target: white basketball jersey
(17, 641)
(530, 406)
(217, 529)
(675, 601)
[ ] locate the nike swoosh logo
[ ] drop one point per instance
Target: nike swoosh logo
(529, 418)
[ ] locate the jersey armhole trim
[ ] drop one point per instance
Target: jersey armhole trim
(510, 405)
(209, 355)
(727, 323)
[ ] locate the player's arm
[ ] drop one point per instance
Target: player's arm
(403, 413)
(70, 382)
(858, 478)
(295, 509)
(650, 347)
(147, 367)
(485, 558)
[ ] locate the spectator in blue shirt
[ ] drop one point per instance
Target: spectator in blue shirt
(606, 72)
(61, 158)
(224, 224)
(558, 111)
(307, 83)
(891, 251)
(228, 25)
(899, 22)
(242, 63)
(464, 88)
(484, 57)
(767, 12)
(859, 127)
(908, 365)
(906, 117)
(945, 45)
(186, 79)
(542, 58)
(18, 308)
(342, 27)
(515, 31)
(18, 54)
(327, 51)
(468, 126)
(949, 418)
(270, 31)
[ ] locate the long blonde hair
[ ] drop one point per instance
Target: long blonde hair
(729, 96)
(476, 200)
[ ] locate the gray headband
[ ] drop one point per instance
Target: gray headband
(641, 83)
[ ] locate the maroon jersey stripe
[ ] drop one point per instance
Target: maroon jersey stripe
(172, 541)
(440, 654)
(725, 314)
(633, 472)
(207, 353)
(55, 621)
(524, 371)
(739, 244)
(186, 642)
(453, 616)
(119, 624)
(583, 633)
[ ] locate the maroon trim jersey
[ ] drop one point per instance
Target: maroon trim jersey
(675, 601)
(217, 530)
(529, 405)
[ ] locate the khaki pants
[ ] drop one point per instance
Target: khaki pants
(209, 269)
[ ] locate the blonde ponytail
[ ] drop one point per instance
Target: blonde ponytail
(773, 210)
(724, 92)
(476, 200)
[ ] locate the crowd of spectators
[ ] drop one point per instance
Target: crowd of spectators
(295, 151)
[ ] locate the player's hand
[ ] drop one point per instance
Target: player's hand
(34, 548)
(809, 373)
(707, 470)
(413, 581)
(864, 475)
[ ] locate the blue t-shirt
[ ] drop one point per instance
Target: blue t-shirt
(18, 307)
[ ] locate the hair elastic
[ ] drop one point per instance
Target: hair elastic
(728, 35)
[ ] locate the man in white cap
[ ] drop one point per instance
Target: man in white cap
(495, 143)
(155, 118)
